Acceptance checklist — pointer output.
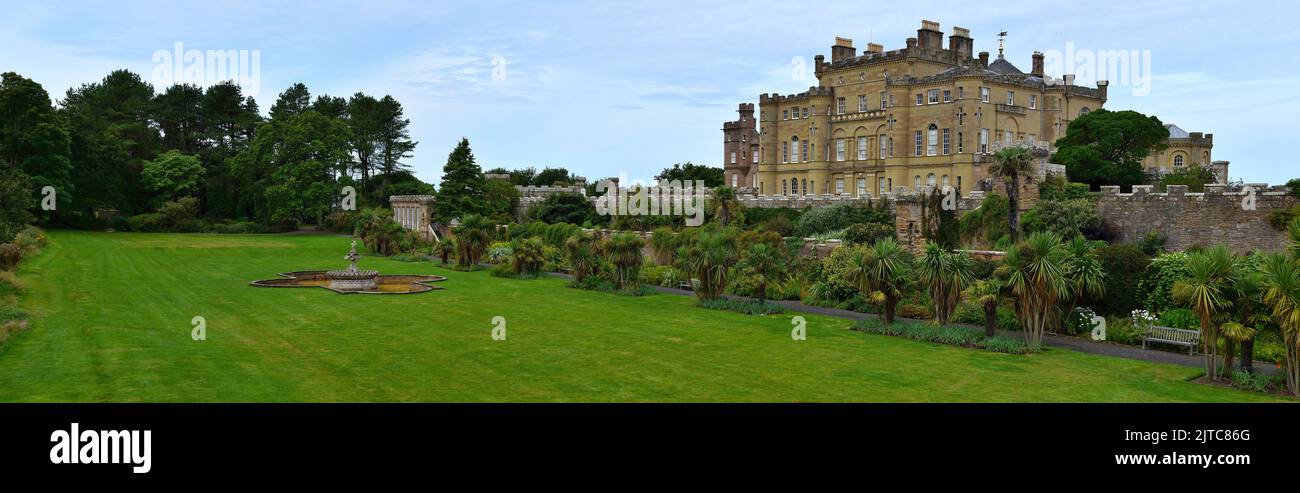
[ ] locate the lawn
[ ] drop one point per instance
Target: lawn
(112, 311)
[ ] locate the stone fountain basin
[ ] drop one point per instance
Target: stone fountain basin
(384, 284)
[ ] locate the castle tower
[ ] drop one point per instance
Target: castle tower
(740, 149)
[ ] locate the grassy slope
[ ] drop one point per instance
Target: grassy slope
(113, 322)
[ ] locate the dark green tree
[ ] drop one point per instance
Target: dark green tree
(462, 188)
(1107, 147)
(712, 177)
(552, 176)
(33, 141)
(292, 102)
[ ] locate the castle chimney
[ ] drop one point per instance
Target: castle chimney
(1038, 64)
(842, 50)
(911, 44)
(929, 37)
(984, 59)
(961, 43)
(818, 61)
(876, 48)
(1101, 86)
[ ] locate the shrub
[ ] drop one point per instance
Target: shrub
(1179, 318)
(1123, 265)
(780, 225)
(150, 222)
(10, 256)
(499, 252)
(867, 233)
(504, 270)
(600, 283)
(948, 334)
(836, 217)
(529, 256)
(1254, 382)
(1080, 321)
(408, 257)
(1159, 278)
(746, 307)
(1122, 330)
(342, 222)
(31, 239)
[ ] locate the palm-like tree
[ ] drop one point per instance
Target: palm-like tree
(725, 206)
(1206, 291)
(1084, 272)
(623, 250)
(444, 248)
(528, 255)
(1034, 273)
(1281, 285)
(581, 250)
(988, 292)
(1248, 309)
(709, 257)
(662, 244)
(945, 275)
(1013, 165)
(764, 262)
(1234, 333)
(882, 272)
(472, 237)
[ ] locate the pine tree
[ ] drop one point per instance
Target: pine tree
(462, 187)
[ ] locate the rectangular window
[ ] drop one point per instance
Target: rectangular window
(961, 117)
(947, 96)
(891, 146)
(882, 146)
(1033, 102)
(934, 96)
(862, 103)
(961, 93)
(805, 112)
(785, 154)
(862, 148)
(883, 190)
(839, 149)
(839, 186)
(785, 114)
(947, 146)
(918, 143)
(1011, 98)
(919, 99)
(733, 157)
(984, 140)
(803, 154)
(984, 94)
(734, 177)
(862, 186)
(1006, 137)
(960, 145)
(884, 100)
(839, 106)
(756, 156)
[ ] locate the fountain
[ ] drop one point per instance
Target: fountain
(353, 280)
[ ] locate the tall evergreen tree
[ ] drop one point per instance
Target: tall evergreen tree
(395, 142)
(33, 141)
(462, 187)
(292, 102)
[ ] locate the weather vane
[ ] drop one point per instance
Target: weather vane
(1002, 39)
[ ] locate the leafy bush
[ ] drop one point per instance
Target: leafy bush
(499, 252)
(149, 222)
(1123, 265)
(1121, 330)
(1254, 382)
(603, 284)
(1179, 318)
(504, 270)
(408, 257)
(1080, 321)
(1067, 218)
(867, 233)
(1158, 280)
(31, 239)
(836, 217)
(746, 307)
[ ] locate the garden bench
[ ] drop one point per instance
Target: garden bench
(689, 285)
(1169, 335)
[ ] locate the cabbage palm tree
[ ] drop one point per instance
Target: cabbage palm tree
(988, 293)
(764, 262)
(444, 248)
(1084, 272)
(945, 275)
(472, 237)
(1248, 309)
(725, 206)
(1206, 292)
(709, 257)
(1034, 273)
(528, 255)
(1281, 294)
(1234, 333)
(1013, 165)
(882, 272)
(623, 250)
(581, 250)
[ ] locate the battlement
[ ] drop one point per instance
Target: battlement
(1237, 218)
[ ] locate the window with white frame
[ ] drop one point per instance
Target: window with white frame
(785, 114)
(920, 98)
(984, 94)
(932, 140)
(929, 180)
(862, 186)
(1011, 98)
(1033, 102)
(1006, 137)
(804, 186)
(839, 186)
(944, 183)
(839, 149)
(947, 141)
(862, 103)
(733, 157)
(805, 113)
(734, 179)
(794, 149)
(984, 140)
(917, 151)
(960, 143)
(803, 154)
(916, 183)
(785, 152)
(839, 106)
(883, 190)
(755, 156)
(947, 96)
(882, 146)
(891, 146)
(884, 100)
(933, 96)
(862, 148)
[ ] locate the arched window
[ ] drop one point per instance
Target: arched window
(945, 181)
(929, 180)
(804, 186)
(1206, 156)
(916, 183)
(1178, 160)
(932, 140)
(794, 149)
(1084, 111)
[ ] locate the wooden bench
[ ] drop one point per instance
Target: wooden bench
(689, 285)
(1177, 337)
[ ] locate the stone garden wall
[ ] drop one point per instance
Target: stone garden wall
(1217, 216)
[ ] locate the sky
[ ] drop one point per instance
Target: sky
(610, 87)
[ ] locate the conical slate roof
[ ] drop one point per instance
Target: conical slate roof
(1002, 66)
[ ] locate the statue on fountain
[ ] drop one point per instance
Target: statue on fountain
(352, 279)
(352, 257)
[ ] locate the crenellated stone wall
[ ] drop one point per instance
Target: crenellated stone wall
(1217, 216)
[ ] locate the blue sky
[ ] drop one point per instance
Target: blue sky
(626, 86)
